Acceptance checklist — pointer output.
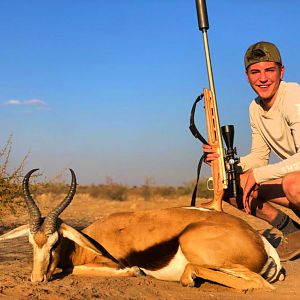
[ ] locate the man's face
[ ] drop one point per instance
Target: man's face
(264, 77)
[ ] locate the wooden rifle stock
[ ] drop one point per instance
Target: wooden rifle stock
(218, 170)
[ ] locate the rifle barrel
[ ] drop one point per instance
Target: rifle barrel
(208, 62)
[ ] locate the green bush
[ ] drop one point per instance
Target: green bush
(166, 191)
(202, 191)
(112, 191)
(148, 190)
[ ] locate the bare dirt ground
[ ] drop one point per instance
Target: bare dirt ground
(16, 259)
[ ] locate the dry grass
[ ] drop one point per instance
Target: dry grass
(11, 192)
(120, 192)
(110, 191)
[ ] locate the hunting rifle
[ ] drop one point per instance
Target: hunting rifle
(223, 169)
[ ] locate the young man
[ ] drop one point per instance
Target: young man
(275, 124)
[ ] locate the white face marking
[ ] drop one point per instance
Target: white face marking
(41, 257)
(173, 271)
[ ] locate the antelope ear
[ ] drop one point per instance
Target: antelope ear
(17, 232)
(77, 237)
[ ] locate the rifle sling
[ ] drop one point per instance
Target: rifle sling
(193, 127)
(194, 195)
(198, 136)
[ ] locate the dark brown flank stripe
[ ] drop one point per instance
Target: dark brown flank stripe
(153, 258)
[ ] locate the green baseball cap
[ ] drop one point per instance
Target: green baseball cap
(262, 51)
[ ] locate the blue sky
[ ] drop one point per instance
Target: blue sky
(106, 87)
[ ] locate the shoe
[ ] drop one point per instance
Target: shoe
(272, 237)
(290, 246)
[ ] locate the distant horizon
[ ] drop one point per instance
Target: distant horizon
(106, 88)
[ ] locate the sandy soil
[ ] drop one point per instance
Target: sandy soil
(16, 259)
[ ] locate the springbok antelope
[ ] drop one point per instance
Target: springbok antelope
(174, 244)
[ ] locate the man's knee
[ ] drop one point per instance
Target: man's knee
(291, 186)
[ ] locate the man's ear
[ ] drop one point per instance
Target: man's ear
(281, 72)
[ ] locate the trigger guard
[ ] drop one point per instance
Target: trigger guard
(209, 184)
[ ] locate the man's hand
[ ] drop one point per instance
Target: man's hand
(211, 153)
(249, 191)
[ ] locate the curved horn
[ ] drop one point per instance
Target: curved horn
(51, 219)
(34, 212)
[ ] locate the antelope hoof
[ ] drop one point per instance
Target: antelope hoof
(136, 271)
(281, 275)
(188, 280)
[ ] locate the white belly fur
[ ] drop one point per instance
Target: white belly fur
(197, 208)
(173, 271)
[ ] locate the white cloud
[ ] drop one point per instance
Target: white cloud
(13, 102)
(30, 102)
(34, 102)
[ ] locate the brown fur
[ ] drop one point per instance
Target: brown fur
(40, 239)
(132, 238)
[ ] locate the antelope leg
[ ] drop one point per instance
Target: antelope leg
(96, 269)
(237, 276)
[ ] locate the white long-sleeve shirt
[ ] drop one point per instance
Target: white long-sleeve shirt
(277, 129)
